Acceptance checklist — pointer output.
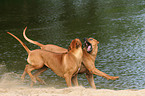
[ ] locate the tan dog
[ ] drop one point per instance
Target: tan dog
(65, 65)
(88, 64)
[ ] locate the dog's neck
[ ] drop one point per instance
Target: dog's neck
(94, 53)
(91, 55)
(77, 53)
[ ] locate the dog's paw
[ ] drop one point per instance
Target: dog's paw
(34, 80)
(22, 78)
(112, 77)
(115, 77)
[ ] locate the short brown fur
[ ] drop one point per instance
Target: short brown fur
(87, 66)
(63, 64)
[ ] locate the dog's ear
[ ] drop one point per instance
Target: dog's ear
(78, 44)
(69, 48)
(71, 45)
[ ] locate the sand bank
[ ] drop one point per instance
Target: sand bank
(74, 91)
(11, 85)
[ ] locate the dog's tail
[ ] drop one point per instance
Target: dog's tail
(31, 41)
(26, 48)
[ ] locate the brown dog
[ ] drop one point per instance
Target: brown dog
(65, 65)
(88, 64)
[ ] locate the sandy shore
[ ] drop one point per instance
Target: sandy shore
(74, 91)
(11, 85)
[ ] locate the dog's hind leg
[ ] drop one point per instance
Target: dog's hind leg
(37, 73)
(24, 74)
(30, 68)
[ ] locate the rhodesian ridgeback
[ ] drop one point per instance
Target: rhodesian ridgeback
(65, 65)
(88, 65)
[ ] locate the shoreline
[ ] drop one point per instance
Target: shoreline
(10, 85)
(72, 91)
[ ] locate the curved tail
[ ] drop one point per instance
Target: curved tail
(26, 48)
(31, 41)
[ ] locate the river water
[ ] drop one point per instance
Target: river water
(119, 26)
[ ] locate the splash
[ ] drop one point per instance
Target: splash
(10, 80)
(2, 68)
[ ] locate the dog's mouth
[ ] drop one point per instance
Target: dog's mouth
(88, 46)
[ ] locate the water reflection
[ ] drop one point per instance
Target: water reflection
(118, 25)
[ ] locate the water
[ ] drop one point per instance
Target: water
(119, 26)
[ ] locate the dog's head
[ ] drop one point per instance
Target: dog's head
(75, 44)
(91, 45)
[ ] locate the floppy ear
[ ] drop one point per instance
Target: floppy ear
(69, 48)
(71, 45)
(77, 44)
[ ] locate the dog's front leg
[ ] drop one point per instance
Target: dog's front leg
(75, 80)
(68, 79)
(102, 74)
(90, 78)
